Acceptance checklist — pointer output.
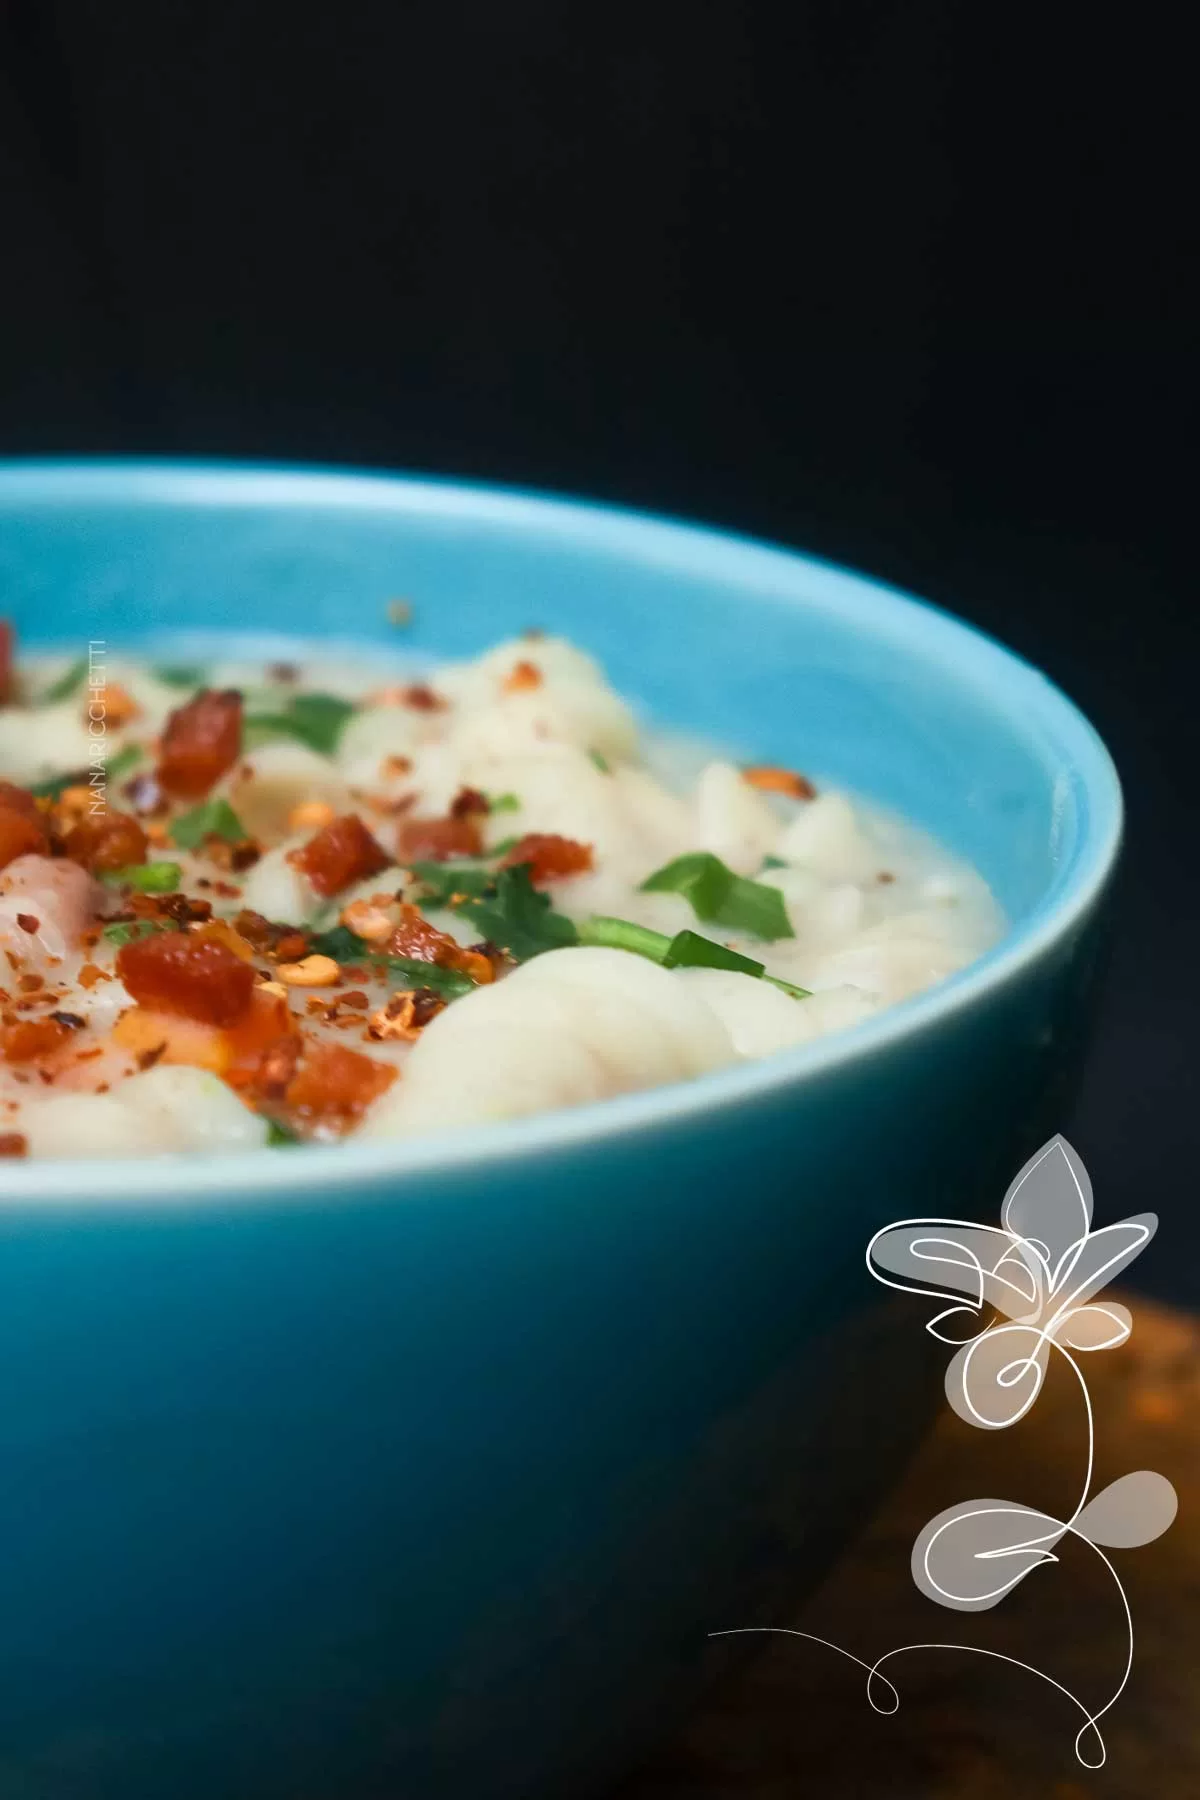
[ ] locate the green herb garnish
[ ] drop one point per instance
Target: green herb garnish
(55, 786)
(505, 803)
(686, 950)
(448, 984)
(212, 818)
(179, 675)
(773, 862)
(601, 761)
(128, 931)
(444, 883)
(280, 1137)
(68, 681)
(125, 759)
(514, 915)
(313, 719)
(147, 878)
(720, 897)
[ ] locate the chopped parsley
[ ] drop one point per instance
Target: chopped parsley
(720, 897)
(600, 761)
(511, 913)
(67, 683)
(128, 931)
(279, 1137)
(316, 720)
(212, 818)
(504, 803)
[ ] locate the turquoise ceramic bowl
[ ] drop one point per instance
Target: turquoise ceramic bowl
(421, 1473)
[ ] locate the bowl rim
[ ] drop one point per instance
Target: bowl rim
(396, 1167)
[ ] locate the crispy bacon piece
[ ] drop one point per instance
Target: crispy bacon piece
(772, 780)
(106, 841)
(13, 1143)
(343, 853)
(416, 938)
(234, 1051)
(439, 840)
(6, 661)
(522, 677)
(30, 1039)
(22, 824)
(184, 973)
(201, 741)
(333, 1086)
(549, 857)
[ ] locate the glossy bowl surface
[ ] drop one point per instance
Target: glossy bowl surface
(425, 1470)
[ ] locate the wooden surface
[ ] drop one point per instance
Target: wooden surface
(797, 1722)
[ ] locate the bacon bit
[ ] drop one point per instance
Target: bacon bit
(220, 931)
(367, 919)
(201, 741)
(120, 707)
(439, 840)
(276, 1067)
(548, 856)
(392, 767)
(769, 779)
(314, 971)
(191, 976)
(311, 815)
(233, 1052)
(521, 678)
(334, 1086)
(417, 939)
(145, 795)
(107, 841)
(6, 693)
(22, 824)
(177, 909)
(344, 852)
(29, 984)
(90, 974)
(405, 1016)
(467, 802)
(29, 922)
(13, 1143)
(30, 1039)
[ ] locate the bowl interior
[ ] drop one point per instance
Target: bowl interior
(779, 656)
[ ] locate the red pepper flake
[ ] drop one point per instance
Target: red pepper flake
(421, 697)
(770, 779)
(201, 741)
(339, 855)
(192, 976)
(28, 922)
(30, 1039)
(549, 857)
(522, 678)
(146, 1059)
(405, 1016)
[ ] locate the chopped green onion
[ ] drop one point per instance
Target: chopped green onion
(125, 759)
(313, 719)
(212, 818)
(128, 931)
(622, 934)
(688, 950)
(505, 803)
(601, 761)
(68, 681)
(773, 862)
(279, 1137)
(147, 878)
(720, 897)
(180, 675)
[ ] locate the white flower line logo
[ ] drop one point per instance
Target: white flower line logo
(1040, 1270)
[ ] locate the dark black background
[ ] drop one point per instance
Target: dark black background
(904, 283)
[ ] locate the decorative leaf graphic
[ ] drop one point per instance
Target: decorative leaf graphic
(993, 1381)
(1133, 1510)
(1104, 1325)
(1089, 1265)
(940, 1256)
(971, 1555)
(1049, 1203)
